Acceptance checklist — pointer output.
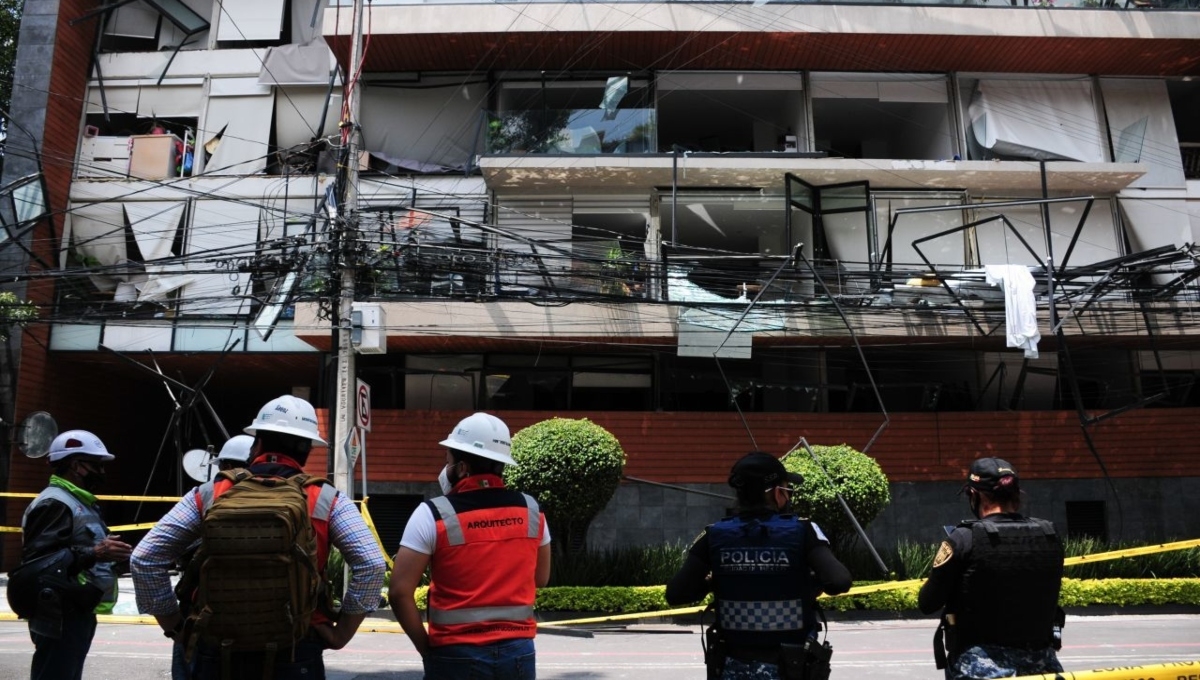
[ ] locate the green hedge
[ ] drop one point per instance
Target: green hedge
(1075, 593)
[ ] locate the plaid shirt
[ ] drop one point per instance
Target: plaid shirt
(179, 528)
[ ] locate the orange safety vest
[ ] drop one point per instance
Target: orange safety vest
(321, 498)
(483, 566)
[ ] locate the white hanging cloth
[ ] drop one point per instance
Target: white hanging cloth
(1020, 308)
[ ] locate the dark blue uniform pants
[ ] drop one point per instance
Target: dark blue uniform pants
(61, 658)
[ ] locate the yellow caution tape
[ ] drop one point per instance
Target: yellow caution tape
(1131, 552)
(155, 499)
(366, 514)
(132, 527)
(1174, 670)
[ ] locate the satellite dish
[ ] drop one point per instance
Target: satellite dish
(36, 433)
(200, 465)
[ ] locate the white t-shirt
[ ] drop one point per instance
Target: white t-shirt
(420, 534)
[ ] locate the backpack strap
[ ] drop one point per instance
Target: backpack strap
(323, 508)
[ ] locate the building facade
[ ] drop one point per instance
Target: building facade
(928, 231)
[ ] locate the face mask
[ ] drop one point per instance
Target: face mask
(92, 479)
(444, 480)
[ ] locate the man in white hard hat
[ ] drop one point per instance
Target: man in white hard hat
(284, 431)
(489, 548)
(235, 453)
(64, 519)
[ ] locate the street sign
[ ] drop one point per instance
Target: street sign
(364, 406)
(354, 448)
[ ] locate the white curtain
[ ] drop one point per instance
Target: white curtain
(1040, 120)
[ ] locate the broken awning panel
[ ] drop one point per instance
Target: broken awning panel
(297, 65)
(1143, 129)
(221, 233)
(155, 225)
(246, 122)
(1039, 120)
(97, 238)
(161, 281)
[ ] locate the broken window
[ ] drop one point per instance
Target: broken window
(1013, 119)
(720, 237)
(875, 115)
(538, 252)
(119, 111)
(608, 241)
(1142, 130)
(610, 113)
(897, 231)
(1097, 241)
(303, 115)
(446, 139)
(127, 245)
(757, 112)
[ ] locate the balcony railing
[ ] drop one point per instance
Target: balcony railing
(571, 131)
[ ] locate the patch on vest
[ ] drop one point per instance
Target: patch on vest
(944, 553)
(753, 559)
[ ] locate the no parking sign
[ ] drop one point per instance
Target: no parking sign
(363, 406)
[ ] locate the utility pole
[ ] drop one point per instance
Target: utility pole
(343, 422)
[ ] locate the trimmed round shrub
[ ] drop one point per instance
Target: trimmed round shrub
(855, 475)
(572, 467)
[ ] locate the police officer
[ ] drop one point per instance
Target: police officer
(488, 548)
(64, 519)
(996, 579)
(766, 568)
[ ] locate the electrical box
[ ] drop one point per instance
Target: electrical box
(369, 335)
(103, 157)
(154, 156)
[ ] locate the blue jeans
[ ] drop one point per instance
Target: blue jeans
(506, 660)
(302, 662)
(180, 668)
(61, 658)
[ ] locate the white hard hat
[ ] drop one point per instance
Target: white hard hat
(483, 435)
(78, 442)
(287, 415)
(237, 448)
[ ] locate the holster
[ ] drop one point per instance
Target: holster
(1060, 620)
(945, 643)
(809, 661)
(714, 653)
(48, 620)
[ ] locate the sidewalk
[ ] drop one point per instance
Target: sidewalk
(127, 600)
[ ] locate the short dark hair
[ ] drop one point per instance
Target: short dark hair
(751, 496)
(477, 464)
(287, 444)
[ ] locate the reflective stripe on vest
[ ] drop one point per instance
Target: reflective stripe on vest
(452, 617)
(454, 532)
(761, 616)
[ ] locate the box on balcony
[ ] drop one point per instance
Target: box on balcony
(154, 156)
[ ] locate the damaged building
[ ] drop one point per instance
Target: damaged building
(928, 231)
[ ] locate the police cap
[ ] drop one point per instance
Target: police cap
(763, 470)
(991, 475)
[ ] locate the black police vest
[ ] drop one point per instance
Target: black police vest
(1010, 585)
(761, 582)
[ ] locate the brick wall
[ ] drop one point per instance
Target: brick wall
(69, 52)
(915, 447)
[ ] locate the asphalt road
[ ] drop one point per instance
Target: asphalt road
(883, 650)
